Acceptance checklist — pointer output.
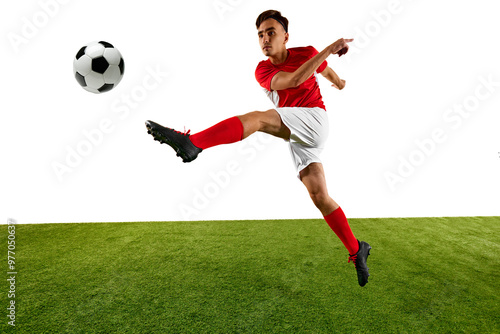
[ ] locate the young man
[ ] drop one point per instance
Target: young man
(288, 77)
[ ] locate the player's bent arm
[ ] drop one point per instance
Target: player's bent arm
(331, 76)
(283, 80)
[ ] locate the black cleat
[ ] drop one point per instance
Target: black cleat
(359, 260)
(179, 141)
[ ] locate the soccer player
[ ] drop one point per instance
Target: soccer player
(289, 79)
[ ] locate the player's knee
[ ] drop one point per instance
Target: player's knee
(265, 121)
(319, 198)
(255, 117)
(270, 121)
(251, 121)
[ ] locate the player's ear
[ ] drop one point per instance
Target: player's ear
(286, 37)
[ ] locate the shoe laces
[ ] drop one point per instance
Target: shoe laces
(353, 258)
(185, 133)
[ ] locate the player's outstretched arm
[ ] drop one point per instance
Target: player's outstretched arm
(283, 80)
(331, 76)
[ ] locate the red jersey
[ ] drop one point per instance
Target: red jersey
(306, 95)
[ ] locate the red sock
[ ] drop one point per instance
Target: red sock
(225, 132)
(338, 223)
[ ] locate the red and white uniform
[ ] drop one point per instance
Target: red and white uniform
(301, 108)
(307, 95)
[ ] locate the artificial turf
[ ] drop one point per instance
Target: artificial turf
(428, 275)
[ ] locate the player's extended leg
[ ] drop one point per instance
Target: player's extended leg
(313, 177)
(228, 131)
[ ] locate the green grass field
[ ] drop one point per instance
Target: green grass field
(428, 275)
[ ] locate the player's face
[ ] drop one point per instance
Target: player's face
(272, 37)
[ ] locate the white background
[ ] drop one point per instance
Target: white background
(411, 62)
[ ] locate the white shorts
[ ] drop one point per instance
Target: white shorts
(308, 133)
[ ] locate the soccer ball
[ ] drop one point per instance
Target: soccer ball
(98, 67)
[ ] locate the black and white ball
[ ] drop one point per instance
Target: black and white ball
(98, 67)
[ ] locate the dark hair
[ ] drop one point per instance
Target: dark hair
(272, 14)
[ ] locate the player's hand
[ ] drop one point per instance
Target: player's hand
(342, 85)
(340, 46)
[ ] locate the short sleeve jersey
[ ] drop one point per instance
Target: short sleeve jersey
(306, 95)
